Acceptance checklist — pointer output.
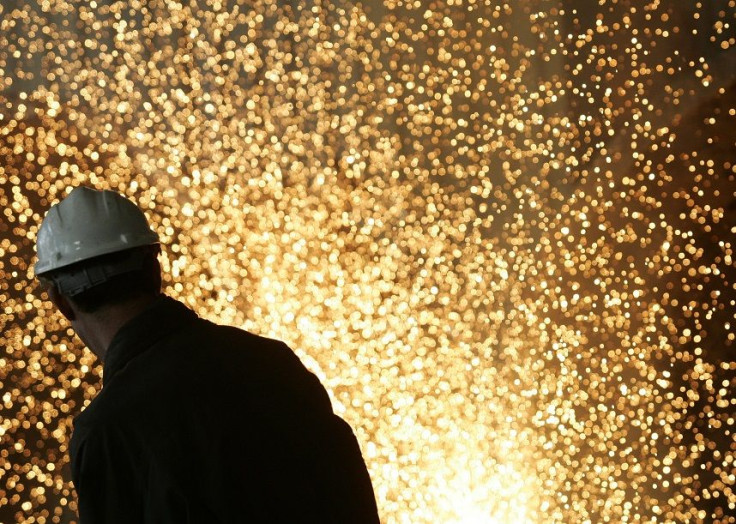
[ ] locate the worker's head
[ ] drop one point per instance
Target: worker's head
(95, 248)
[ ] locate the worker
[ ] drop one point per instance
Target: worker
(195, 422)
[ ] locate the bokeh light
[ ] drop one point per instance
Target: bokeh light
(501, 233)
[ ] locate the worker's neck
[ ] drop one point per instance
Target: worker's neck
(98, 329)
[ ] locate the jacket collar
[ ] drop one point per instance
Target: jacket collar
(162, 317)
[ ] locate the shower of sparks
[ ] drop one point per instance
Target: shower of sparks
(501, 233)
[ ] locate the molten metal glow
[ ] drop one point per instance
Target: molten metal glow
(501, 233)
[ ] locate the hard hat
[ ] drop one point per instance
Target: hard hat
(89, 223)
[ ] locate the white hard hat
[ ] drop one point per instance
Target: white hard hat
(89, 223)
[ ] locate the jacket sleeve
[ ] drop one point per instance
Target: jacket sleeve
(106, 478)
(353, 491)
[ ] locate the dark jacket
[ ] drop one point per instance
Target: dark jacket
(200, 423)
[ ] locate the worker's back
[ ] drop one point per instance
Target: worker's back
(204, 423)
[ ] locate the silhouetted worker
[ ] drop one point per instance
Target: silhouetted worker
(195, 423)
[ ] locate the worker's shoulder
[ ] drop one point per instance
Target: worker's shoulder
(231, 338)
(134, 406)
(105, 414)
